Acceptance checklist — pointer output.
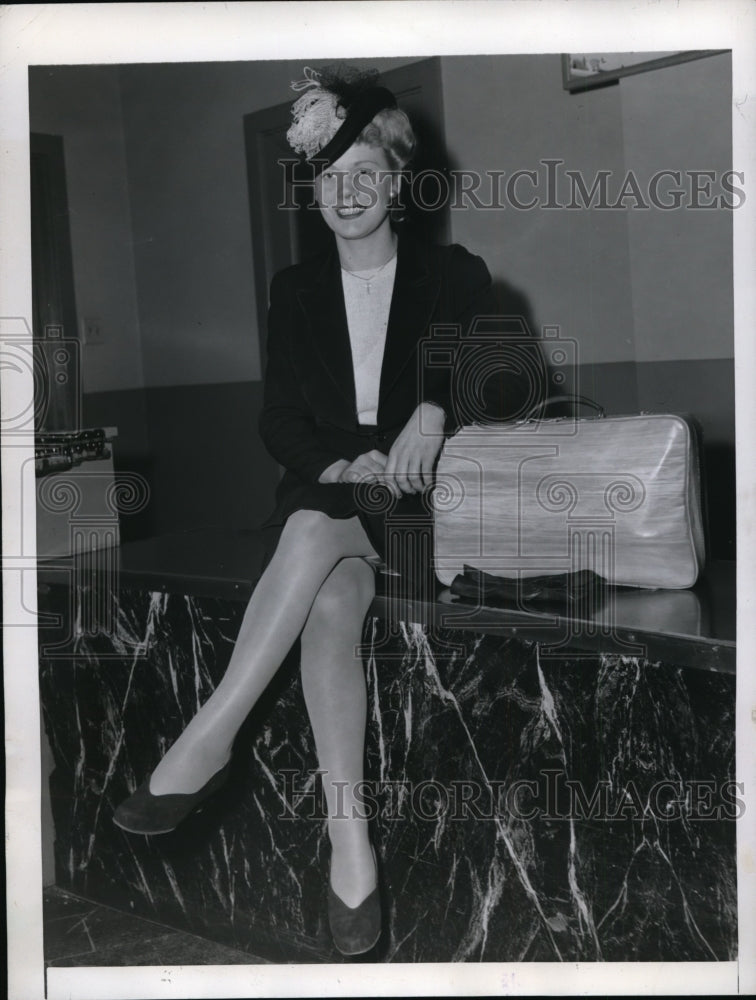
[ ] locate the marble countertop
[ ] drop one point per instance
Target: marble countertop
(691, 627)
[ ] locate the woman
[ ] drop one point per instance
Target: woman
(349, 405)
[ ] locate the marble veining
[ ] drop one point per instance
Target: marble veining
(526, 808)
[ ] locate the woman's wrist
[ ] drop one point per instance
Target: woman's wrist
(432, 416)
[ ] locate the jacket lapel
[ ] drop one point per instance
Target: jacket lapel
(323, 305)
(416, 291)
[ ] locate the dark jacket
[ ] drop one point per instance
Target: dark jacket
(309, 416)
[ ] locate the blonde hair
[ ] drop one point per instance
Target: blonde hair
(392, 131)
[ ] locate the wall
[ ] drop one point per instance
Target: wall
(83, 104)
(678, 118)
(632, 285)
(511, 114)
(192, 251)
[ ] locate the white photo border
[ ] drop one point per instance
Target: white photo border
(47, 34)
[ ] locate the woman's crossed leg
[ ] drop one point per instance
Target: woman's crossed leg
(310, 547)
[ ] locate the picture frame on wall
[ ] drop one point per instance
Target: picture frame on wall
(588, 70)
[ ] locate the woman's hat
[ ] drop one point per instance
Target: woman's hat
(334, 111)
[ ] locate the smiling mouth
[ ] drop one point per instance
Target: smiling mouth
(350, 212)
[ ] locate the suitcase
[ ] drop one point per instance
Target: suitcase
(620, 496)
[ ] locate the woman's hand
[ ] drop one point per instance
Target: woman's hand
(333, 473)
(409, 468)
(365, 468)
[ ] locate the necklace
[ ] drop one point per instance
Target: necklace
(367, 276)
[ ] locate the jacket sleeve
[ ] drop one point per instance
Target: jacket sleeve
(287, 425)
(468, 294)
(498, 371)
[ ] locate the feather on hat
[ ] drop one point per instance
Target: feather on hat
(339, 103)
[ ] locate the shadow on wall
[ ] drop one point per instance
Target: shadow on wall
(423, 192)
(718, 476)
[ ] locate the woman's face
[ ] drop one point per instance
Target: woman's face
(355, 192)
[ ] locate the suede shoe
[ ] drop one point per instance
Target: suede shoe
(151, 814)
(355, 930)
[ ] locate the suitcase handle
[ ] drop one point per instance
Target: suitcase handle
(573, 399)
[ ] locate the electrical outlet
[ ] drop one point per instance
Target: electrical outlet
(92, 330)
